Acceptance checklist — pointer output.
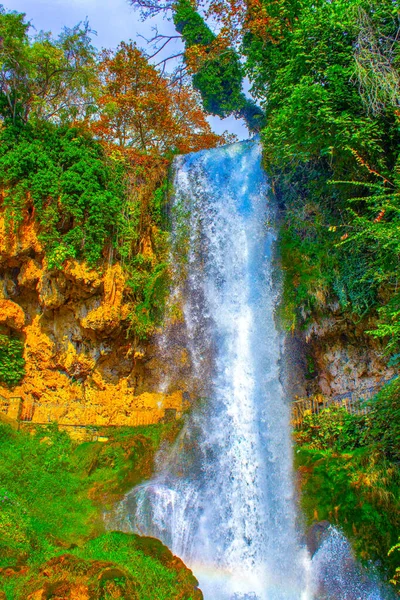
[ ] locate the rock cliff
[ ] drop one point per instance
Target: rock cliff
(334, 355)
(81, 366)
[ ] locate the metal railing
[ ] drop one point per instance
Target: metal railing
(353, 401)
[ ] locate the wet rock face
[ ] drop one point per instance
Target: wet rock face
(74, 325)
(316, 535)
(348, 363)
(334, 356)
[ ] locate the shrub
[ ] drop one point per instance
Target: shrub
(76, 193)
(12, 363)
(383, 421)
(333, 428)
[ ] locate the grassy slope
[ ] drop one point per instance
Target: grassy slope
(53, 492)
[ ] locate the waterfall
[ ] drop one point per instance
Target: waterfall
(223, 498)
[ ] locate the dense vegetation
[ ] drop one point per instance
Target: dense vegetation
(86, 141)
(326, 74)
(53, 492)
(350, 475)
(331, 146)
(327, 77)
(77, 195)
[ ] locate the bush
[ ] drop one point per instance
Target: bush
(350, 473)
(333, 428)
(359, 492)
(383, 421)
(12, 363)
(76, 193)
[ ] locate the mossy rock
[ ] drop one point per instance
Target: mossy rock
(138, 568)
(69, 577)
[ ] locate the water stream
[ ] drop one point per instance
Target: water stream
(223, 499)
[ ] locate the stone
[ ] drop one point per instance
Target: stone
(12, 315)
(316, 534)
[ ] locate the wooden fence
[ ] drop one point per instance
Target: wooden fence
(11, 407)
(353, 401)
(28, 411)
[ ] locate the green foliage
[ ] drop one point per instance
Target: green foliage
(351, 476)
(333, 428)
(79, 196)
(383, 421)
(219, 79)
(336, 429)
(154, 287)
(191, 25)
(396, 576)
(60, 163)
(149, 276)
(216, 82)
(44, 78)
(359, 492)
(305, 268)
(76, 193)
(158, 205)
(12, 363)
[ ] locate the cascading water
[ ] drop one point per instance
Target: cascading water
(226, 506)
(222, 499)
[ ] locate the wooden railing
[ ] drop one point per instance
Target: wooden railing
(353, 401)
(11, 407)
(25, 411)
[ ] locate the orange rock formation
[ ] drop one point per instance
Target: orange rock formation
(80, 367)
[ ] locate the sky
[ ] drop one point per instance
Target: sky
(114, 21)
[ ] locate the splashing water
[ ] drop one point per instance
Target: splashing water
(339, 576)
(223, 498)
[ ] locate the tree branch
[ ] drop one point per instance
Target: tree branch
(165, 60)
(151, 8)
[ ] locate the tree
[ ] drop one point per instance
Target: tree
(215, 66)
(217, 72)
(14, 63)
(145, 112)
(151, 8)
(43, 78)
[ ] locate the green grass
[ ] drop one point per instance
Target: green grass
(53, 492)
(113, 565)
